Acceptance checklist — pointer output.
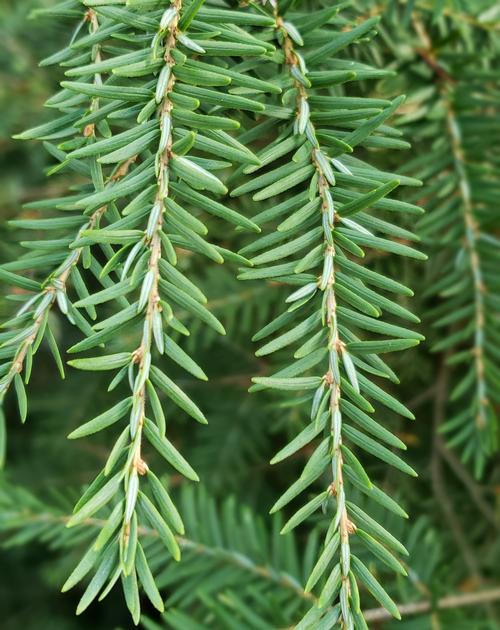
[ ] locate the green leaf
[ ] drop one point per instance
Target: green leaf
(301, 440)
(197, 176)
(177, 354)
(378, 347)
(213, 207)
(373, 277)
(366, 522)
(109, 362)
(331, 587)
(163, 530)
(190, 304)
(369, 424)
(14, 280)
(364, 130)
(202, 121)
(120, 92)
(288, 384)
(130, 150)
(360, 571)
(111, 293)
(3, 438)
(284, 184)
(294, 334)
(304, 512)
(147, 580)
(47, 129)
(381, 552)
(376, 449)
(356, 466)
(176, 394)
(323, 562)
(102, 421)
(385, 245)
(103, 335)
(83, 567)
(340, 41)
(123, 139)
(368, 199)
(304, 481)
(188, 15)
(22, 400)
(225, 16)
(112, 524)
(380, 327)
(99, 500)
(217, 97)
(97, 582)
(230, 49)
(131, 593)
(165, 503)
(168, 451)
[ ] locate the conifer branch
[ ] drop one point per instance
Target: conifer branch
(226, 556)
(326, 284)
(150, 296)
(472, 250)
(53, 290)
(472, 239)
(23, 513)
(148, 221)
(165, 106)
(326, 332)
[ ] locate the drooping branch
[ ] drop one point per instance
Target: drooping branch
(333, 300)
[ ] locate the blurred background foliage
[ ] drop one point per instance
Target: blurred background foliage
(452, 532)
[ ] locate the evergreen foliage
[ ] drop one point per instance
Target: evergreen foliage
(459, 229)
(333, 303)
(273, 136)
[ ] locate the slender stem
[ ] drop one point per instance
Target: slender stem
(438, 485)
(142, 355)
(56, 283)
(475, 491)
(235, 558)
(283, 579)
(326, 284)
(445, 603)
(472, 230)
(472, 236)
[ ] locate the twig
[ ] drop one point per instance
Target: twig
(451, 601)
(474, 490)
(438, 482)
(437, 475)
(284, 579)
(229, 556)
(422, 398)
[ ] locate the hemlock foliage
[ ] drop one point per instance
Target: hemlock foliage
(272, 136)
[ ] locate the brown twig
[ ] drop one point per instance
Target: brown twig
(284, 579)
(438, 484)
(472, 487)
(445, 603)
